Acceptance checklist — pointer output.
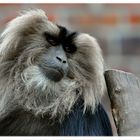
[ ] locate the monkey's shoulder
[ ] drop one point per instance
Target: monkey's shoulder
(22, 123)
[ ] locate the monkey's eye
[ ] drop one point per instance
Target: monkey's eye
(70, 49)
(68, 44)
(51, 39)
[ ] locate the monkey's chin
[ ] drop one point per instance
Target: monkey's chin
(54, 74)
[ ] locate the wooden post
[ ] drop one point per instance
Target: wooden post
(124, 91)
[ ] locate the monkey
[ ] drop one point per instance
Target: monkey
(51, 80)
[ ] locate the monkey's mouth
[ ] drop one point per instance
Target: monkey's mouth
(54, 74)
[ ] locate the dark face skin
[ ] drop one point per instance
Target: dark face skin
(54, 62)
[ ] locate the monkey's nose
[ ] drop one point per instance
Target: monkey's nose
(61, 60)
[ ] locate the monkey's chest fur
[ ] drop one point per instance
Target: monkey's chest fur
(22, 123)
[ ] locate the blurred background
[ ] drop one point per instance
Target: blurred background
(116, 27)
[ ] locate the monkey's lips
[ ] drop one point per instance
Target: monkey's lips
(54, 74)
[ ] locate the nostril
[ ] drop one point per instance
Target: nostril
(61, 60)
(64, 61)
(58, 58)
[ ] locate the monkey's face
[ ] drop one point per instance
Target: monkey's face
(38, 53)
(62, 56)
(59, 48)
